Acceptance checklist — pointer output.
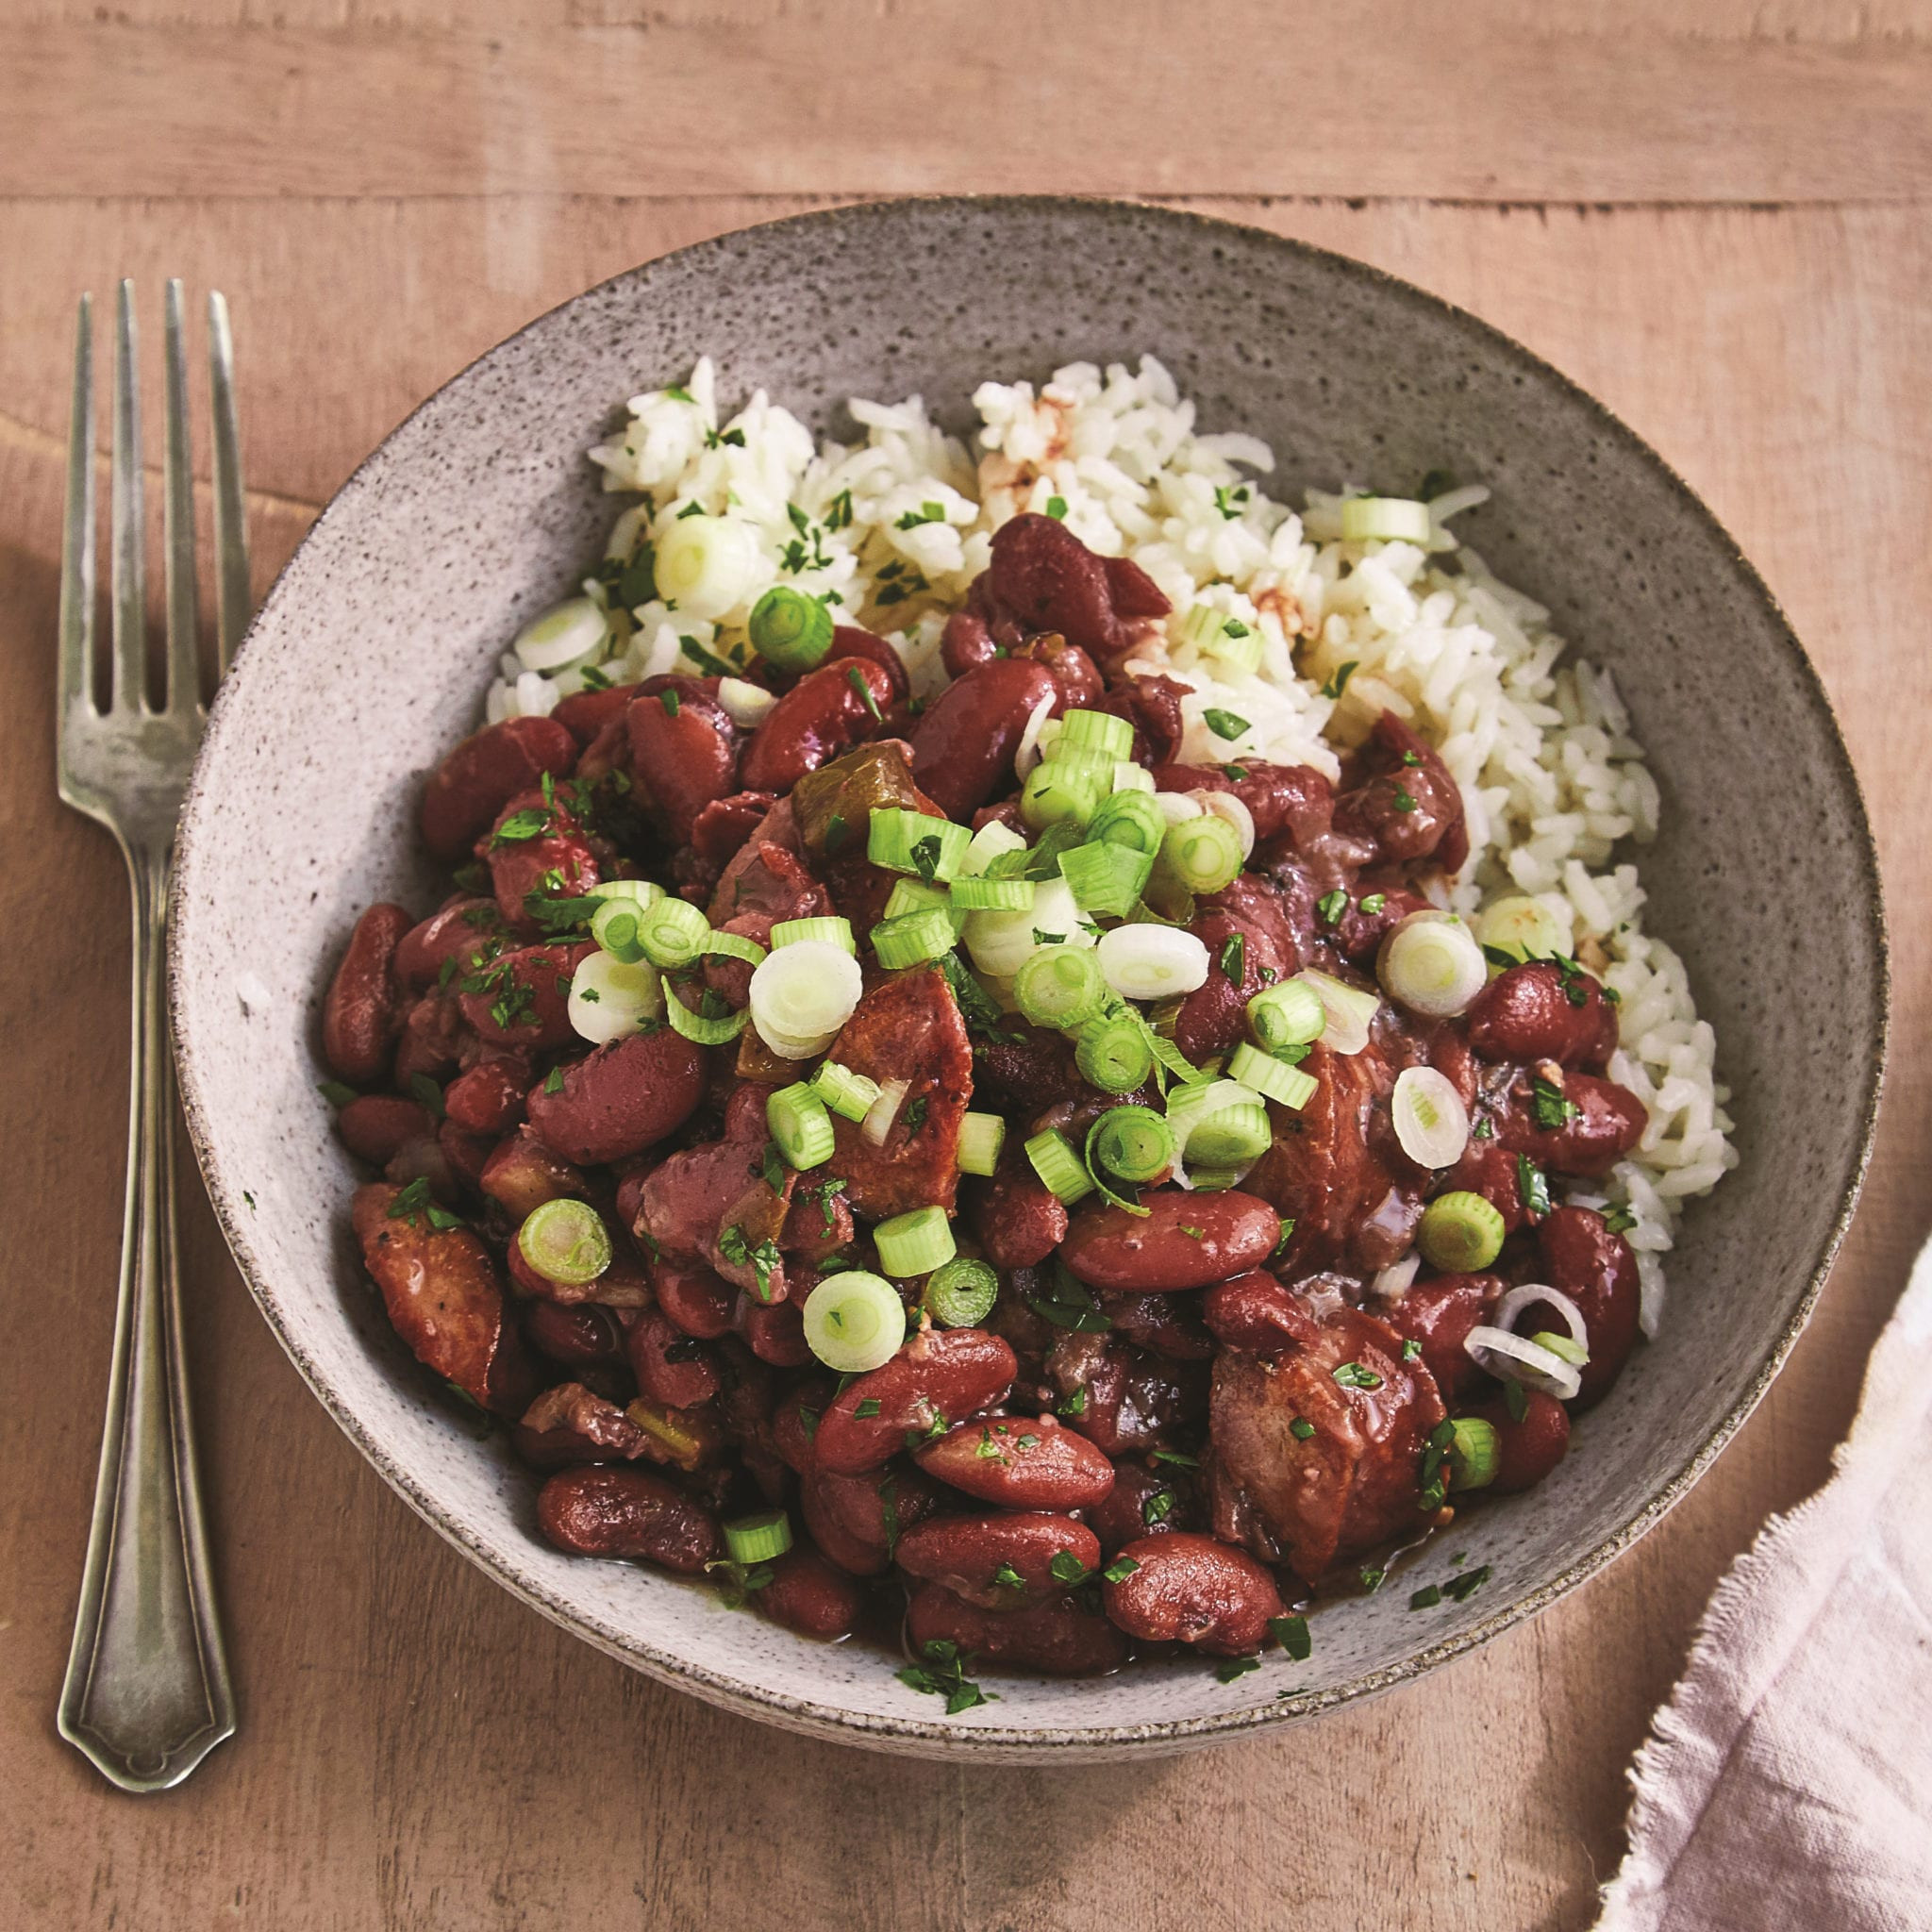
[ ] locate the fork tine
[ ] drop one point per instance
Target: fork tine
(184, 668)
(130, 570)
(232, 525)
(76, 678)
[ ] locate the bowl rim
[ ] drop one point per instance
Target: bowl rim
(1069, 1741)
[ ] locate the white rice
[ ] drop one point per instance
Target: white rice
(897, 526)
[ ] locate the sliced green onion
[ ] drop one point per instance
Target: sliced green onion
(1202, 853)
(1561, 1346)
(961, 1293)
(1174, 1059)
(1074, 758)
(565, 1242)
(639, 892)
(706, 565)
(1128, 776)
(1430, 1120)
(734, 945)
(673, 933)
(1230, 1136)
(1105, 878)
(987, 843)
(1431, 962)
(915, 895)
(845, 1091)
(1289, 1014)
(1238, 647)
(800, 1124)
(1131, 819)
(1268, 1076)
(704, 1031)
(1115, 1053)
(1350, 1010)
(1200, 626)
(981, 1137)
(1098, 731)
(978, 894)
(837, 932)
(1059, 986)
(803, 994)
(915, 1243)
(1153, 962)
(757, 1539)
(914, 938)
(854, 1322)
(1059, 794)
(609, 998)
(1215, 1181)
(1526, 927)
(915, 841)
(1133, 1144)
(790, 630)
(1058, 1167)
(1389, 519)
(615, 926)
(1472, 1454)
(1460, 1233)
(562, 635)
(1001, 942)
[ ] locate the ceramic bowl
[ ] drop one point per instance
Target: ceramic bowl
(371, 654)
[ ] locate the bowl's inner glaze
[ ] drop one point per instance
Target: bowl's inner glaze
(371, 654)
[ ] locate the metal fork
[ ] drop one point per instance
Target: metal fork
(147, 1696)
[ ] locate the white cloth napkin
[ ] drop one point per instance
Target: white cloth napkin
(1788, 1783)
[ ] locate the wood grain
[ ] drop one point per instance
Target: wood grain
(418, 1752)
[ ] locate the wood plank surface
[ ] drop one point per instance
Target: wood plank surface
(416, 1750)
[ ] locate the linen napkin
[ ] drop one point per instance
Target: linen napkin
(1787, 1782)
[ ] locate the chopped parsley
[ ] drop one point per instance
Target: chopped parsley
(1411, 1350)
(856, 678)
(1353, 1375)
(1175, 1459)
(943, 1673)
(1427, 1598)
(1372, 1579)
(760, 1260)
(1533, 1185)
(1006, 1578)
(926, 857)
(1057, 509)
(670, 701)
(914, 1116)
(1292, 1633)
(1226, 724)
(1547, 1102)
(838, 515)
(1157, 1507)
(428, 1093)
(867, 1410)
(336, 1093)
(1375, 903)
(1231, 499)
(1401, 801)
(1301, 1429)
(925, 514)
(532, 822)
(1337, 682)
(1331, 905)
(552, 1081)
(1074, 1404)
(708, 661)
(1465, 1586)
(414, 1200)
(740, 1581)
(693, 508)
(1229, 1668)
(1618, 1218)
(1515, 1401)
(1071, 1305)
(1233, 958)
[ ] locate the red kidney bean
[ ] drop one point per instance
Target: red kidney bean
(1159, 1322)
(445, 1300)
(1077, 680)
(774, 1331)
(947, 1374)
(363, 1012)
(557, 860)
(1140, 1504)
(1048, 580)
(857, 1520)
(1133, 591)
(684, 750)
(966, 643)
(526, 1002)
(1408, 804)
(1439, 1314)
(524, 1174)
(1193, 1589)
(821, 718)
(470, 786)
(671, 1368)
(1358, 934)
(488, 1099)
(808, 1595)
(1056, 1637)
(1489, 1169)
(627, 1512)
(584, 714)
(434, 1037)
(848, 641)
(549, 1449)
(457, 931)
(963, 744)
(1153, 706)
(1538, 1013)
(1184, 1240)
(700, 1302)
(374, 1126)
(1609, 1122)
(968, 1552)
(1293, 799)
(1026, 1463)
(466, 1153)
(1253, 1311)
(1018, 1219)
(626, 1096)
(796, 1420)
(1598, 1271)
(1526, 1450)
(575, 1336)
(420, 1158)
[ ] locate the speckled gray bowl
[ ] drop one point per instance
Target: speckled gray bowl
(371, 652)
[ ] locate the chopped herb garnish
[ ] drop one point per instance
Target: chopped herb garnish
(855, 677)
(770, 1167)
(926, 857)
(1465, 1586)
(414, 1200)
(1485, 1129)
(1229, 1668)
(1292, 1633)
(693, 508)
(867, 1410)
(1372, 1580)
(336, 1093)
(1286, 1235)
(1411, 758)
(1228, 499)
(1006, 1578)
(1176, 1459)
(530, 823)
(837, 833)
(1515, 1401)
(1056, 508)
(1157, 1507)
(1068, 1569)
(681, 395)
(1411, 1350)
(1193, 1234)
(760, 1260)
(914, 1116)
(1353, 1375)
(1401, 801)
(1547, 1102)
(249, 1198)
(838, 515)
(708, 661)
(1532, 1184)
(1227, 724)
(740, 1581)
(1301, 1429)
(1617, 1218)
(1331, 905)
(552, 1081)
(1375, 903)
(1338, 683)
(1118, 1570)
(1073, 1404)
(925, 514)
(1427, 1598)
(669, 700)
(943, 1673)
(428, 1093)
(1233, 954)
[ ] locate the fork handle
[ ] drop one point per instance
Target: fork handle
(148, 1693)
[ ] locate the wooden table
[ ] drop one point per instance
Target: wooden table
(1714, 217)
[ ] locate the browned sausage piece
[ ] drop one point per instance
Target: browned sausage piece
(1193, 1589)
(627, 1512)
(524, 1174)
(1184, 1240)
(363, 1012)
(445, 1299)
